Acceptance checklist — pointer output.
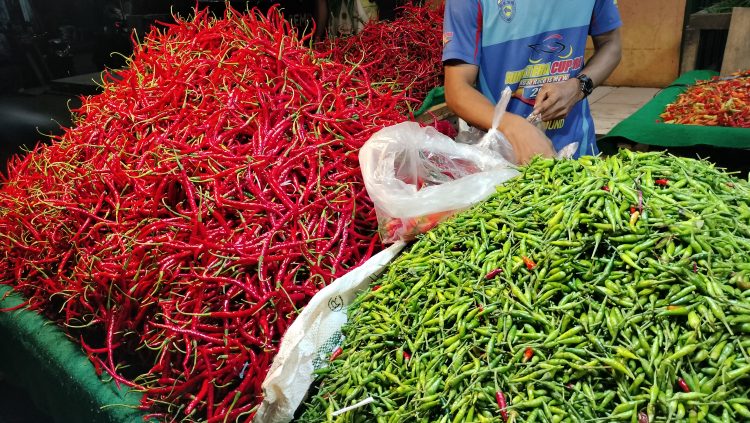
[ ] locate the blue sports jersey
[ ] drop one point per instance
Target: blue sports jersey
(525, 44)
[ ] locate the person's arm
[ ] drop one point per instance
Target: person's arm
(321, 19)
(554, 101)
(470, 105)
(463, 99)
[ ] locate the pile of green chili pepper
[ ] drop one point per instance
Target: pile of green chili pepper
(593, 290)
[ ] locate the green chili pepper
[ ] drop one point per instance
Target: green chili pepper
(613, 313)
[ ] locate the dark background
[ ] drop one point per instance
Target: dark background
(51, 51)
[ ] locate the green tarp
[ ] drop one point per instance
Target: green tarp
(434, 97)
(642, 127)
(36, 356)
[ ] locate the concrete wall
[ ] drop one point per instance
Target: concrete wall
(652, 37)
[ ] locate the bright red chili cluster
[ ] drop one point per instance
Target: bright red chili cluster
(719, 102)
(405, 53)
(195, 206)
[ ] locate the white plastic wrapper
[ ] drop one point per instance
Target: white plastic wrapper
(309, 341)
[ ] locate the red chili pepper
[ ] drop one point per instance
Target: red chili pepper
(683, 385)
(202, 393)
(502, 405)
(407, 356)
(336, 353)
(632, 210)
(529, 263)
(712, 103)
(375, 288)
(662, 182)
(492, 273)
(527, 354)
(403, 49)
(605, 188)
(189, 216)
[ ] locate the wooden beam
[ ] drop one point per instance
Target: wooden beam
(737, 50)
(702, 20)
(690, 42)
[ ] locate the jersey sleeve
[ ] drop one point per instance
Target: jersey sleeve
(606, 17)
(462, 30)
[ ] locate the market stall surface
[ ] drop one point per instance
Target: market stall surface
(612, 105)
(643, 130)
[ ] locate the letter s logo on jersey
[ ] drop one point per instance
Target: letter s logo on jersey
(507, 9)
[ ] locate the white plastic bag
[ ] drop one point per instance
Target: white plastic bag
(568, 151)
(492, 140)
(351, 16)
(418, 177)
(308, 342)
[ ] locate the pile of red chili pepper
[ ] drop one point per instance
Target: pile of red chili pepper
(717, 102)
(406, 51)
(195, 205)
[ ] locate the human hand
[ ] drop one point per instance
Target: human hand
(526, 139)
(554, 101)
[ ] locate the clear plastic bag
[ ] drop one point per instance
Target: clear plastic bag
(566, 152)
(418, 177)
(495, 141)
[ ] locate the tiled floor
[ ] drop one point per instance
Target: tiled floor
(611, 105)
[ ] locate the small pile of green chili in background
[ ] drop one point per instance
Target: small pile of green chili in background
(593, 290)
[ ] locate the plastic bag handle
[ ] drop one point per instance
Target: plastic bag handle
(500, 108)
(494, 140)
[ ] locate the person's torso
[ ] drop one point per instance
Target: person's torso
(528, 43)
